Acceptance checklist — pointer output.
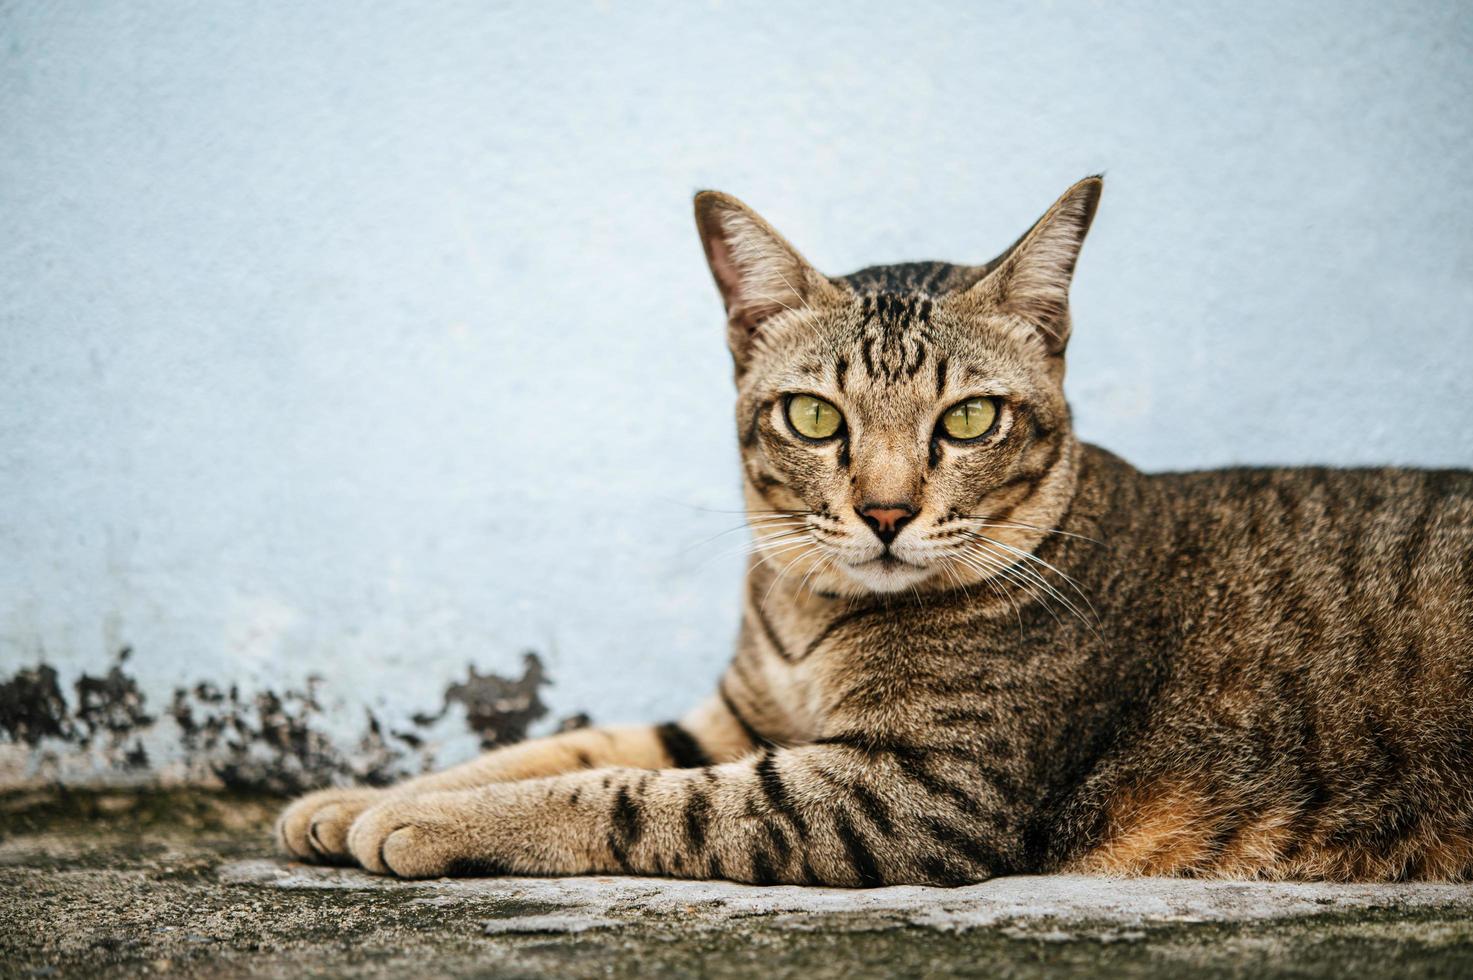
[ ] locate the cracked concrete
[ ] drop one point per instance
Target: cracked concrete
(185, 883)
(1061, 900)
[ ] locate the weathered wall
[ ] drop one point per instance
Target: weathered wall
(368, 347)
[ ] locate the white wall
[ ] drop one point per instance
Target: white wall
(372, 340)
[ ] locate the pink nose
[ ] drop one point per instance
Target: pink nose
(886, 520)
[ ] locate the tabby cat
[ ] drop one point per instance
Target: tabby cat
(974, 646)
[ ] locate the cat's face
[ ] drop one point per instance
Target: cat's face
(903, 427)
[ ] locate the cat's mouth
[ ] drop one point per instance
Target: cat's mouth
(886, 572)
(891, 560)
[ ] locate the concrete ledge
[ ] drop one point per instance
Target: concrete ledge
(184, 883)
(1060, 901)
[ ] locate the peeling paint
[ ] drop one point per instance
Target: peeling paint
(109, 710)
(32, 706)
(497, 708)
(111, 706)
(267, 741)
(273, 741)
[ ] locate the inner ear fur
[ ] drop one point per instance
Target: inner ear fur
(1031, 279)
(758, 273)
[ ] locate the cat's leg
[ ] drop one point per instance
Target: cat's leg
(817, 814)
(315, 827)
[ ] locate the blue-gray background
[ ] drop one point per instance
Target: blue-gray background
(370, 340)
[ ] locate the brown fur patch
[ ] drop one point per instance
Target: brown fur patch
(1154, 830)
(1170, 828)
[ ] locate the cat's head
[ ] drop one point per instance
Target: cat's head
(904, 426)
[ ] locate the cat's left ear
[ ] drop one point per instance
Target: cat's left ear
(1031, 279)
(759, 274)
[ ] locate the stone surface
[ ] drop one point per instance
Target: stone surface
(1063, 901)
(185, 883)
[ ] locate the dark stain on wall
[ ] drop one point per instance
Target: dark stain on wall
(499, 709)
(110, 707)
(263, 741)
(267, 741)
(109, 711)
(32, 706)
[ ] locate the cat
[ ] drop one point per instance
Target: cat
(974, 646)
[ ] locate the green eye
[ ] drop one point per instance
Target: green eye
(812, 417)
(970, 419)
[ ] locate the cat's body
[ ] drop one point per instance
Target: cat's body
(1001, 651)
(1287, 705)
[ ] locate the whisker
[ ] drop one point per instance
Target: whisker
(1033, 576)
(763, 519)
(805, 315)
(1022, 572)
(994, 567)
(779, 534)
(823, 561)
(732, 530)
(1029, 556)
(786, 568)
(808, 309)
(951, 574)
(748, 548)
(1023, 525)
(776, 541)
(738, 510)
(759, 524)
(773, 554)
(997, 590)
(787, 528)
(1049, 587)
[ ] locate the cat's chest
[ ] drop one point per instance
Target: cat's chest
(806, 657)
(785, 651)
(824, 665)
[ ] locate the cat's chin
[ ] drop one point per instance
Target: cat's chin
(887, 574)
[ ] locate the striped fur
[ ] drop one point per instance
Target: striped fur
(1241, 673)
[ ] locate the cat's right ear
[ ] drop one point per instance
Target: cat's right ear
(758, 273)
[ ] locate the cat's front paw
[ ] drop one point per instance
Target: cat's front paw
(315, 827)
(425, 837)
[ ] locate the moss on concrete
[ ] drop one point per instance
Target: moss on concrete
(123, 884)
